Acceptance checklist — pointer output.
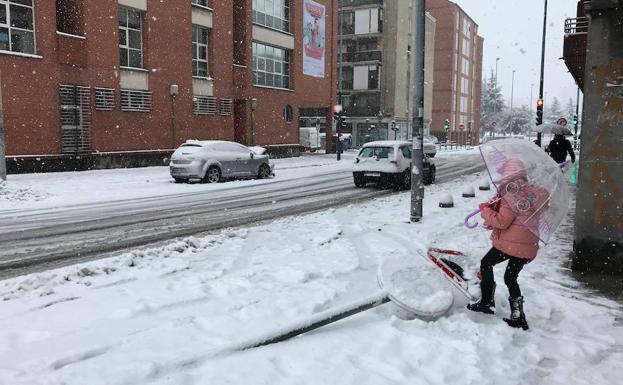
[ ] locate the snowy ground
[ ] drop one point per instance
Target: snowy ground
(169, 315)
(69, 188)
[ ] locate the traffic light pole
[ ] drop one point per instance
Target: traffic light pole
(575, 120)
(417, 187)
(539, 134)
(338, 147)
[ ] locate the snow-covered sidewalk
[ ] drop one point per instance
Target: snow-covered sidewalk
(160, 315)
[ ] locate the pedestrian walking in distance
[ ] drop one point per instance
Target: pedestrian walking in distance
(559, 147)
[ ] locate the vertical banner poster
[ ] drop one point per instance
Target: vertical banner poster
(314, 18)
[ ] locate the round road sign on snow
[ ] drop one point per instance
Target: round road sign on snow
(415, 286)
(562, 122)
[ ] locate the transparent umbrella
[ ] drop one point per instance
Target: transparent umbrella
(529, 182)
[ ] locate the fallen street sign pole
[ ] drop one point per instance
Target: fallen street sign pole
(417, 168)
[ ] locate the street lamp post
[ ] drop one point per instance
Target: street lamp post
(531, 88)
(539, 134)
(512, 92)
(417, 185)
(495, 107)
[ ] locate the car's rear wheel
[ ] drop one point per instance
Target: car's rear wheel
(213, 175)
(359, 179)
(264, 171)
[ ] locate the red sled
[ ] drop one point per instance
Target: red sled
(452, 271)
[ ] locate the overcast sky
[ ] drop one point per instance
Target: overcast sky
(512, 30)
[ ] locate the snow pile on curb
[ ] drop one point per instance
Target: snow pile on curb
(159, 315)
(11, 193)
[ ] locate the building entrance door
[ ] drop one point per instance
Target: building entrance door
(75, 111)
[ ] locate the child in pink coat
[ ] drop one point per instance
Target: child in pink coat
(513, 218)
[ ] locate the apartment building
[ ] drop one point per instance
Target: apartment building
(376, 64)
(457, 74)
(131, 78)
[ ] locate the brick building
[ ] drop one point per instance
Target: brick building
(131, 77)
(458, 72)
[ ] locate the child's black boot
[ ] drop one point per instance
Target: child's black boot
(518, 318)
(487, 303)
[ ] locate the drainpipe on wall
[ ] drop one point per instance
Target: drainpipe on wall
(253, 108)
(173, 90)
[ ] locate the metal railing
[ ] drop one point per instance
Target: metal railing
(575, 25)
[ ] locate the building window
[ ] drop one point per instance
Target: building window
(347, 78)
(368, 20)
(348, 22)
(130, 38)
(366, 77)
(135, 101)
(465, 85)
(17, 32)
(272, 13)
(227, 107)
(204, 105)
(466, 46)
(288, 114)
(465, 66)
(463, 104)
(69, 17)
(200, 52)
(203, 3)
(271, 66)
(467, 27)
(104, 99)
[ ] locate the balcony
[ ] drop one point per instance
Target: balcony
(363, 56)
(574, 51)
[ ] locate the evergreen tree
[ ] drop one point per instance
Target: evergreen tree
(492, 106)
(554, 112)
(520, 122)
(570, 109)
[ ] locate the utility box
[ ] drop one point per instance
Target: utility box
(309, 138)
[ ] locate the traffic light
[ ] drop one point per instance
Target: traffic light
(574, 120)
(343, 121)
(336, 117)
(446, 124)
(539, 112)
(394, 128)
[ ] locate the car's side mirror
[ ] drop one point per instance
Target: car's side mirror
(252, 156)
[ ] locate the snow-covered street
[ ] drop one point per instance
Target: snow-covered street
(101, 211)
(166, 315)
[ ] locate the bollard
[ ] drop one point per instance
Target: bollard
(469, 192)
(484, 185)
(446, 201)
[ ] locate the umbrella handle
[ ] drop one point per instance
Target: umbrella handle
(468, 217)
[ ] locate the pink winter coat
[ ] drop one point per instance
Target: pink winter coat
(509, 235)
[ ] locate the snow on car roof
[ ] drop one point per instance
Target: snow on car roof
(386, 143)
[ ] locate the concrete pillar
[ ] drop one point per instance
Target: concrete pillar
(598, 244)
(2, 145)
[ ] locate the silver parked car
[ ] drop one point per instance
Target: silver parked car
(214, 160)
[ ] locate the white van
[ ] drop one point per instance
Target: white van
(309, 138)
